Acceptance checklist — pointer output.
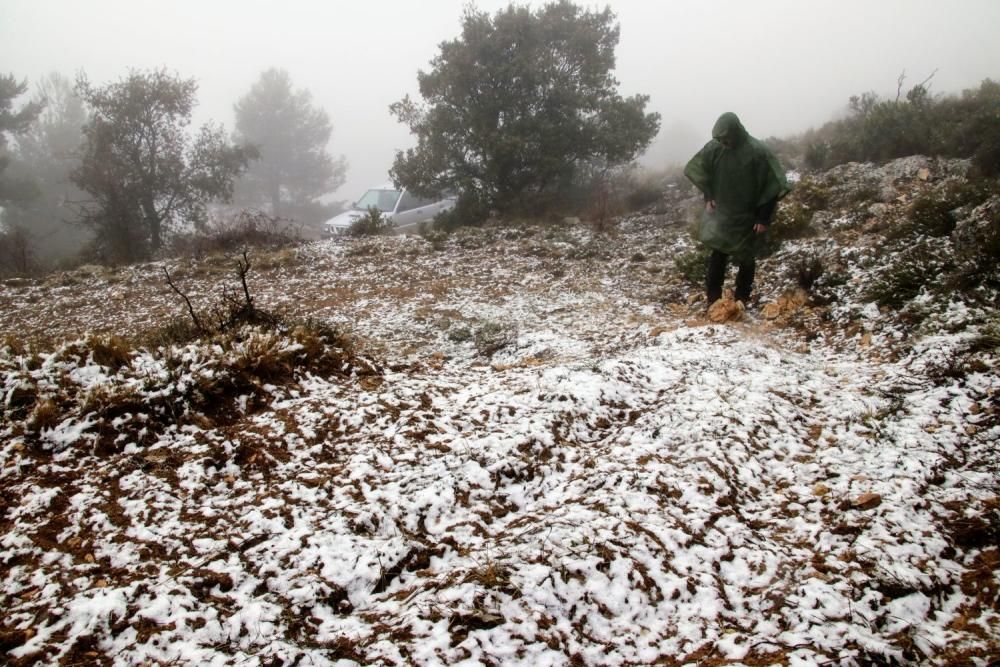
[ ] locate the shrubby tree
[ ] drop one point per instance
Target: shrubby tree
(518, 105)
(292, 135)
(144, 172)
(46, 153)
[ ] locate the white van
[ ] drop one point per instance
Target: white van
(405, 210)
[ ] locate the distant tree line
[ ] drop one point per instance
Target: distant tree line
(111, 173)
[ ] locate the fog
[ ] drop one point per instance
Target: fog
(782, 65)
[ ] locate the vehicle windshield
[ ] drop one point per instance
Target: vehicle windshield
(383, 200)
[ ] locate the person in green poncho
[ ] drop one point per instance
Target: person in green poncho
(742, 182)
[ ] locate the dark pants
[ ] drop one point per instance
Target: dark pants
(717, 273)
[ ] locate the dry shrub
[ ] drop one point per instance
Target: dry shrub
(45, 415)
(15, 346)
(807, 269)
(644, 194)
(988, 338)
(20, 400)
(249, 228)
(177, 331)
(111, 351)
(263, 355)
(110, 401)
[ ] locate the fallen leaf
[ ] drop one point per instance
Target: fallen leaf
(867, 501)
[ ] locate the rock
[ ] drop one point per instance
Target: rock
(786, 304)
(866, 501)
(906, 168)
(924, 174)
(725, 310)
(878, 209)
(820, 490)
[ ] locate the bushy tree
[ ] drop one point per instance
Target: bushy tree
(142, 169)
(46, 153)
(292, 135)
(517, 105)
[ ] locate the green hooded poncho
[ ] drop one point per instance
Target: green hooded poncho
(740, 177)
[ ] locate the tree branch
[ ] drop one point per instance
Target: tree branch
(194, 317)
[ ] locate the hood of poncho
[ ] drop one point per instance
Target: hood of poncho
(729, 130)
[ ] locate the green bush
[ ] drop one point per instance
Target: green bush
(492, 337)
(373, 223)
(908, 272)
(977, 257)
(933, 212)
(817, 155)
(693, 264)
(879, 130)
(469, 210)
(986, 159)
(643, 195)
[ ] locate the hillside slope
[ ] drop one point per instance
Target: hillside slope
(520, 446)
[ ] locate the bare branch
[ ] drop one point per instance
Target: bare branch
(928, 78)
(243, 268)
(194, 317)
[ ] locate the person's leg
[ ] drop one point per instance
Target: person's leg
(744, 280)
(716, 274)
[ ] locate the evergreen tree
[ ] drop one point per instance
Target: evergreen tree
(517, 106)
(46, 153)
(292, 135)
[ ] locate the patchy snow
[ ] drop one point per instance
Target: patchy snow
(620, 483)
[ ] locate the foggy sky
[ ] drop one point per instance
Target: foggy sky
(782, 65)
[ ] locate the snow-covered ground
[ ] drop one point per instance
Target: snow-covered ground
(621, 483)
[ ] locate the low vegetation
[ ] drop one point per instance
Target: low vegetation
(917, 123)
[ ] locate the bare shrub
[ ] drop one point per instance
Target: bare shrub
(17, 255)
(235, 308)
(250, 228)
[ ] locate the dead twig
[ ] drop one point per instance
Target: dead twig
(194, 317)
